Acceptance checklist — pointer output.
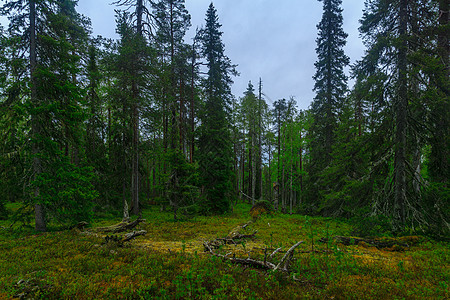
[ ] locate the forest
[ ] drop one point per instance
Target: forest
(143, 135)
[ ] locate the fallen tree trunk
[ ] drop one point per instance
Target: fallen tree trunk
(129, 236)
(121, 227)
(236, 238)
(120, 240)
(379, 243)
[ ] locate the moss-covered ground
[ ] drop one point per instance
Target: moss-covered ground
(170, 262)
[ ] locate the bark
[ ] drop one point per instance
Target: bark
(135, 124)
(254, 157)
(135, 159)
(440, 146)
(401, 117)
(260, 132)
(194, 57)
(286, 258)
(39, 213)
(119, 240)
(121, 227)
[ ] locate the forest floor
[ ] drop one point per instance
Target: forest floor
(170, 262)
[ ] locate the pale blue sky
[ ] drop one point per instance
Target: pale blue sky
(274, 40)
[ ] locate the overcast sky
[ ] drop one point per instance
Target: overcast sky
(274, 40)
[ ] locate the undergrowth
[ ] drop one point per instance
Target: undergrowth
(169, 262)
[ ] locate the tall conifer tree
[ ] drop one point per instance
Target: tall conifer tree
(53, 37)
(216, 160)
(330, 81)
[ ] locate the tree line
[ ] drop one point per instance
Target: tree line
(91, 125)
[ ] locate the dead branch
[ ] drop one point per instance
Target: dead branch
(266, 265)
(129, 236)
(275, 252)
(235, 238)
(287, 257)
(243, 261)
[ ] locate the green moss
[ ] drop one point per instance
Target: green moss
(169, 263)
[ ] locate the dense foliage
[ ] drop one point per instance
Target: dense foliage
(89, 125)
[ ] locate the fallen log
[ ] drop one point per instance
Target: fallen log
(129, 236)
(120, 240)
(236, 238)
(378, 243)
(121, 227)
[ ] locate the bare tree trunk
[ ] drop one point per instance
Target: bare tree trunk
(135, 124)
(260, 132)
(250, 168)
(270, 192)
(401, 117)
(194, 57)
(440, 145)
(135, 160)
(243, 162)
(39, 213)
(291, 194)
(255, 159)
(126, 215)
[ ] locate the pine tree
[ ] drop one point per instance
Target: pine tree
(141, 20)
(173, 21)
(215, 157)
(129, 66)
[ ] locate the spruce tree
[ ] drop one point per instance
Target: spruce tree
(53, 39)
(402, 73)
(330, 87)
(330, 82)
(249, 109)
(215, 149)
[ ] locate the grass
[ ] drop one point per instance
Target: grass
(169, 263)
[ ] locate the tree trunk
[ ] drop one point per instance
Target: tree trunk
(260, 132)
(401, 117)
(255, 159)
(194, 56)
(439, 168)
(39, 213)
(135, 124)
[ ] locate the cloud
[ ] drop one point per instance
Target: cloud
(274, 40)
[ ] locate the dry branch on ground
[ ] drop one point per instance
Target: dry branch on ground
(121, 227)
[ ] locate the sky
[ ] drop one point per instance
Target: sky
(267, 39)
